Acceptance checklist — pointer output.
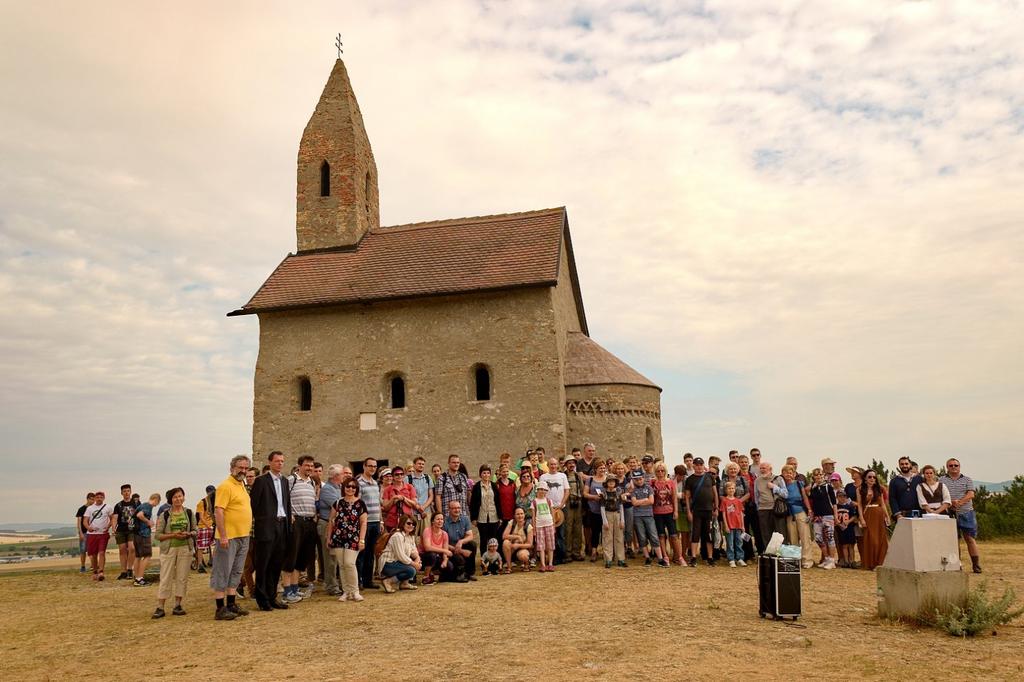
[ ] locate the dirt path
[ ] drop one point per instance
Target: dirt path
(582, 621)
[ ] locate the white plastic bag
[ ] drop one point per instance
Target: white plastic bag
(774, 544)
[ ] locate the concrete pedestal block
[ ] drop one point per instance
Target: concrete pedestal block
(926, 544)
(903, 593)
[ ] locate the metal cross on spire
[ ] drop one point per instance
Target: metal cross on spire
(337, 44)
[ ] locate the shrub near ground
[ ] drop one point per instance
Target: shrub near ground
(580, 622)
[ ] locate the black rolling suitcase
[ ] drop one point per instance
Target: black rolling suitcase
(779, 587)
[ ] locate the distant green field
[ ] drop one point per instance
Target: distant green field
(55, 544)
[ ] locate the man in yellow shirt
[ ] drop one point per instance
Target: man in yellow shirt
(233, 513)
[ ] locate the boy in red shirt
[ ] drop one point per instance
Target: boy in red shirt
(732, 525)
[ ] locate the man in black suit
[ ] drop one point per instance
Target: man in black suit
(271, 512)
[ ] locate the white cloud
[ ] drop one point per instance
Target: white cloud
(822, 199)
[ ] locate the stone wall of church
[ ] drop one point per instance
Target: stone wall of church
(619, 419)
(350, 353)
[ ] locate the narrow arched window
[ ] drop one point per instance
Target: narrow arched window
(482, 382)
(649, 440)
(325, 179)
(366, 194)
(305, 394)
(397, 393)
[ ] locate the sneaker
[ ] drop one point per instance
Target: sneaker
(622, 564)
(237, 610)
(647, 561)
(664, 563)
(607, 564)
(123, 575)
(178, 611)
(741, 562)
(140, 582)
(202, 569)
(82, 569)
(390, 584)
(343, 597)
(292, 598)
(429, 580)
(356, 597)
(693, 563)
(407, 586)
(828, 564)
(159, 613)
(131, 574)
(732, 564)
(223, 613)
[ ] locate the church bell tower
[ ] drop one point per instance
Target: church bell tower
(336, 192)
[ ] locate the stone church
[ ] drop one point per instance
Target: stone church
(462, 336)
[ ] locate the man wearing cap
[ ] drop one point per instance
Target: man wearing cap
(701, 502)
(828, 467)
(647, 463)
(558, 487)
(903, 490)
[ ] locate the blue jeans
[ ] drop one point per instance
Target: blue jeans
(734, 544)
(396, 569)
(645, 531)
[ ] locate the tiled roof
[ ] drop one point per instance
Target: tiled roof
(422, 259)
(587, 363)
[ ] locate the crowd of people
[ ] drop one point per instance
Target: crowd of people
(272, 536)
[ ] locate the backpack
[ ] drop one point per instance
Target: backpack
(382, 542)
(166, 517)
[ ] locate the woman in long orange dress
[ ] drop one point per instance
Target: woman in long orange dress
(873, 506)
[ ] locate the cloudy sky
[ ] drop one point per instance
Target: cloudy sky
(804, 220)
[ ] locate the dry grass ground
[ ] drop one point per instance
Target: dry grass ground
(581, 622)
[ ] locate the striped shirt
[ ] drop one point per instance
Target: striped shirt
(303, 496)
(369, 493)
(958, 487)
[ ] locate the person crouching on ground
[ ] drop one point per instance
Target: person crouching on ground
(517, 541)
(176, 531)
(436, 554)
(400, 560)
(544, 527)
(490, 561)
(461, 543)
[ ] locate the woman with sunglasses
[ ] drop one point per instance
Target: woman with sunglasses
(346, 529)
(527, 490)
(873, 508)
(400, 560)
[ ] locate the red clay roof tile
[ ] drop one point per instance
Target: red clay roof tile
(587, 363)
(422, 259)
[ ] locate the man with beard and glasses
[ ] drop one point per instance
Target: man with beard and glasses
(233, 511)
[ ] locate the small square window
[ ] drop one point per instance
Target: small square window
(367, 421)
